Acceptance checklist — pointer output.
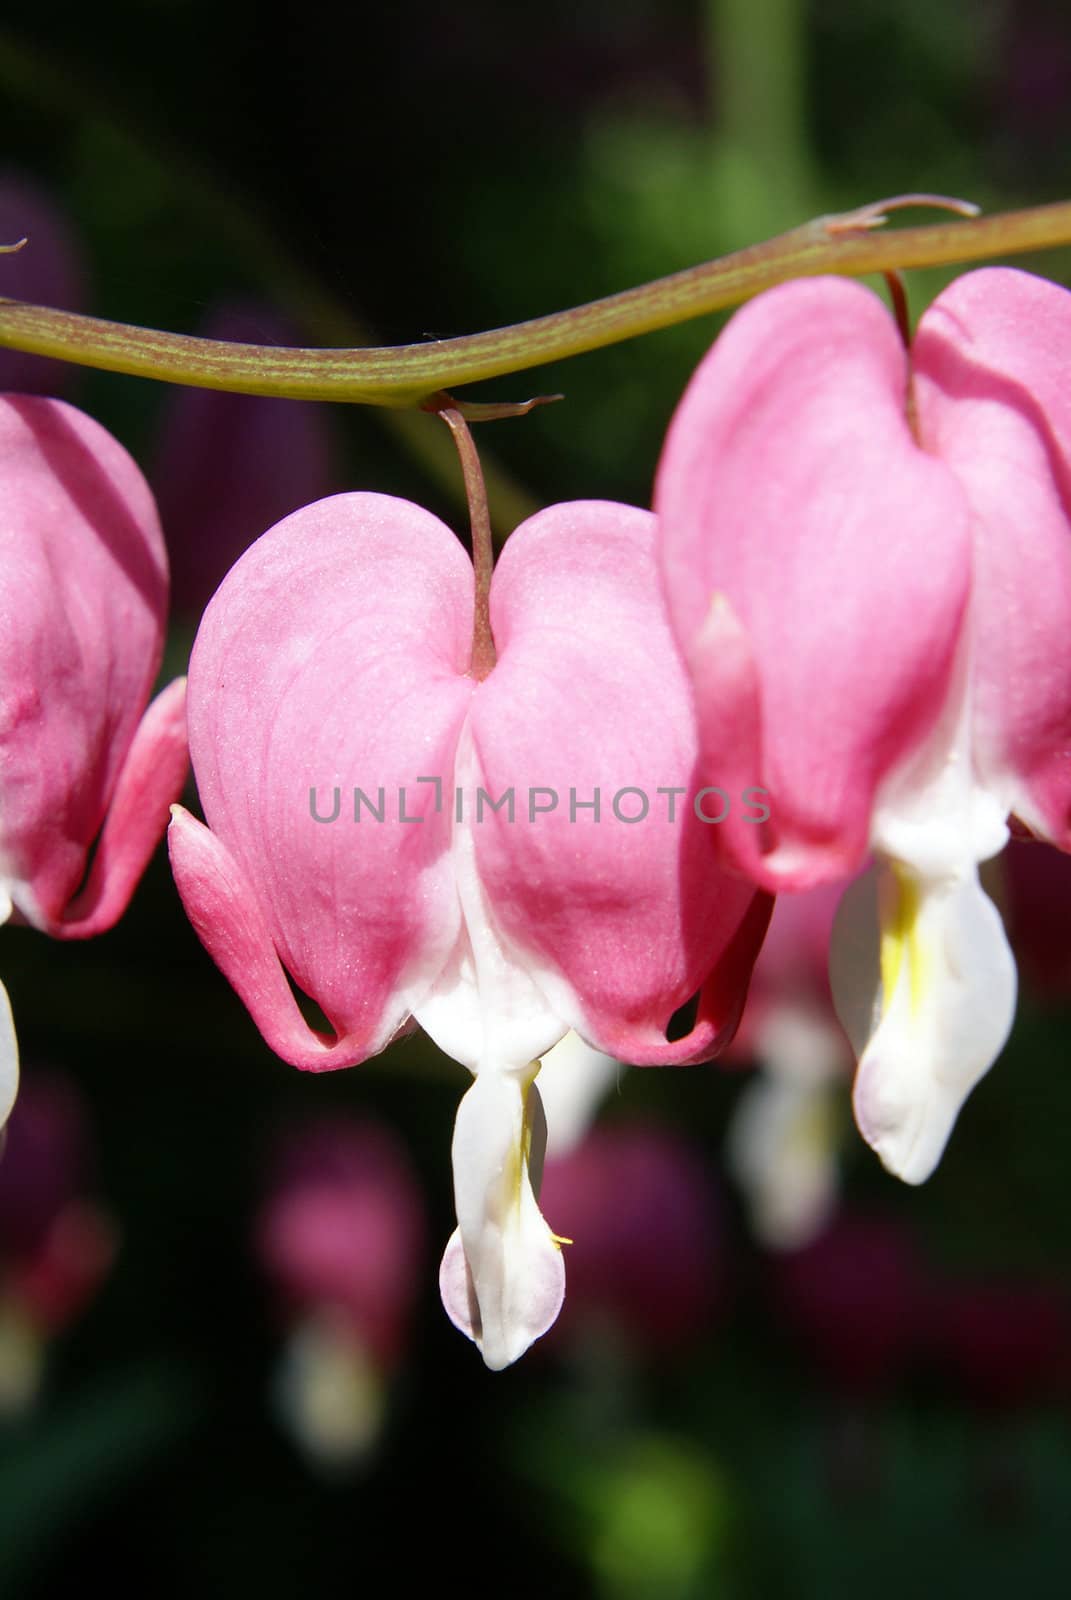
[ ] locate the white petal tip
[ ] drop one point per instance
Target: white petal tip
(9, 1058)
(909, 1139)
(505, 1340)
(902, 1161)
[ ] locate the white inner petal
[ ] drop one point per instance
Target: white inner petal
(923, 979)
(933, 814)
(929, 1007)
(502, 1277)
(488, 1004)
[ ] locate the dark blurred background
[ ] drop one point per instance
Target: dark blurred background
(884, 1404)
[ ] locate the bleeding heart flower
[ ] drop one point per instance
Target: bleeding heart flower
(83, 597)
(867, 557)
(490, 888)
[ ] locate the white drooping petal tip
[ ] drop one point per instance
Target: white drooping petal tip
(9, 1058)
(502, 1278)
(938, 988)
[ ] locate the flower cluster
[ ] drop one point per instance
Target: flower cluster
(848, 614)
(868, 566)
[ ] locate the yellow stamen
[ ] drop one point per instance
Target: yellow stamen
(900, 938)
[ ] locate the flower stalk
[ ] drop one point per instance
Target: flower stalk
(483, 553)
(410, 375)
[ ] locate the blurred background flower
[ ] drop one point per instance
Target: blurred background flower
(228, 464)
(404, 174)
(341, 1239)
(855, 1299)
(646, 1267)
(793, 1113)
(56, 1243)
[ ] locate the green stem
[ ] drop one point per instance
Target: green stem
(408, 375)
(757, 53)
